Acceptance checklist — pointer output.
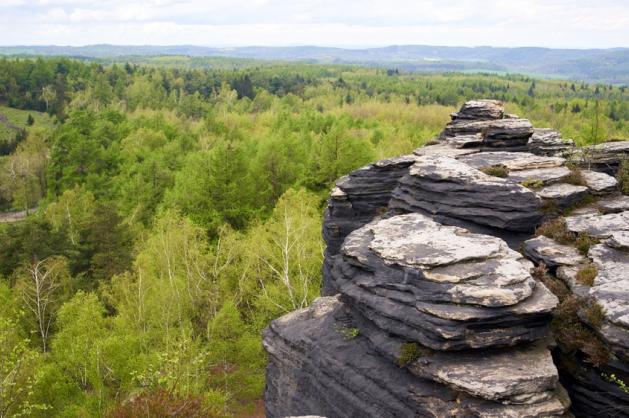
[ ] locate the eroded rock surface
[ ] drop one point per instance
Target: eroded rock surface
(435, 311)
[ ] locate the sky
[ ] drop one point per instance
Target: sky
(348, 23)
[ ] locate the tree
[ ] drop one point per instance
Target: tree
(30, 121)
(48, 95)
(42, 285)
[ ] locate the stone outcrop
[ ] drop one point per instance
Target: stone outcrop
(432, 310)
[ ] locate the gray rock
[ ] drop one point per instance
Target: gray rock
(611, 292)
(619, 240)
(551, 253)
(605, 157)
(480, 110)
(444, 149)
(545, 176)
(599, 183)
(563, 195)
(446, 187)
(496, 133)
(549, 142)
(514, 161)
(614, 204)
(598, 226)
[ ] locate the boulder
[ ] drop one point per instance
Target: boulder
(452, 189)
(549, 142)
(480, 110)
(600, 184)
(545, 250)
(614, 204)
(598, 226)
(563, 195)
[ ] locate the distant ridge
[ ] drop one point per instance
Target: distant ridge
(592, 65)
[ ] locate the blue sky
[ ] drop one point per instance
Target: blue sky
(552, 23)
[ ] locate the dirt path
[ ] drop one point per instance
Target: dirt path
(9, 217)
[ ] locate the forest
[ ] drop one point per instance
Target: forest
(175, 208)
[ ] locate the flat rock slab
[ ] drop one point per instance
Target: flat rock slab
(599, 183)
(444, 150)
(619, 240)
(614, 204)
(545, 176)
(444, 186)
(480, 109)
(521, 375)
(563, 194)
(551, 253)
(514, 161)
(549, 142)
(598, 226)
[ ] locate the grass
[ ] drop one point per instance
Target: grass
(532, 184)
(556, 229)
(595, 315)
(584, 242)
(498, 170)
(13, 122)
(348, 333)
(587, 274)
(409, 352)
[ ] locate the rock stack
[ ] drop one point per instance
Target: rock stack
(432, 311)
(431, 320)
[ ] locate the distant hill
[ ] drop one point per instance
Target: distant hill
(593, 65)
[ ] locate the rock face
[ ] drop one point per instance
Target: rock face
(433, 312)
(427, 314)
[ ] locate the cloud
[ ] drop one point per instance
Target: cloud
(575, 23)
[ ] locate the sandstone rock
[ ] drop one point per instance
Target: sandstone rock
(564, 195)
(599, 183)
(495, 133)
(514, 161)
(451, 188)
(611, 292)
(614, 204)
(552, 254)
(549, 142)
(434, 284)
(480, 110)
(605, 157)
(619, 240)
(444, 149)
(598, 226)
(544, 176)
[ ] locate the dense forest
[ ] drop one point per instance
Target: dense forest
(176, 210)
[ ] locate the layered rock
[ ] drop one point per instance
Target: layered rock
(435, 314)
(466, 305)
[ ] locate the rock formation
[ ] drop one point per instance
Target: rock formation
(430, 310)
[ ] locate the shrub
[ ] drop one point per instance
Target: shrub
(497, 170)
(160, 404)
(533, 184)
(572, 335)
(348, 333)
(584, 242)
(587, 274)
(594, 314)
(557, 230)
(556, 286)
(409, 352)
(618, 382)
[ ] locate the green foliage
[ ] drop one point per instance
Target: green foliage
(348, 333)
(179, 211)
(409, 352)
(557, 230)
(583, 243)
(497, 171)
(615, 380)
(533, 184)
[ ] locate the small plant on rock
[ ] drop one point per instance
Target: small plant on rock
(587, 274)
(584, 242)
(409, 352)
(595, 314)
(497, 170)
(575, 177)
(532, 184)
(611, 378)
(556, 229)
(348, 332)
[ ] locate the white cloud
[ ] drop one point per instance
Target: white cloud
(571, 23)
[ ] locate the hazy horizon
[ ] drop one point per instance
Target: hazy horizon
(576, 24)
